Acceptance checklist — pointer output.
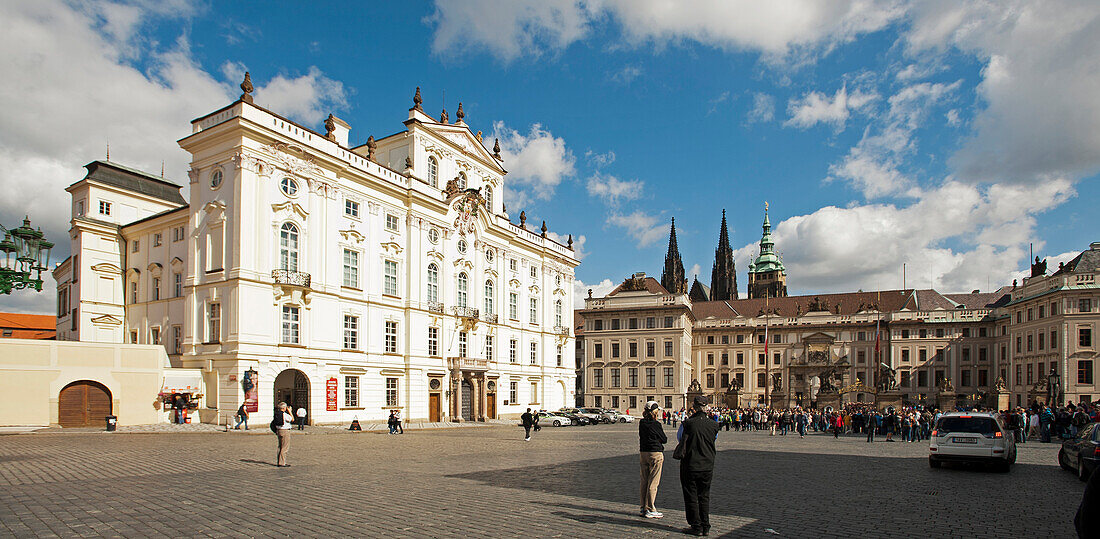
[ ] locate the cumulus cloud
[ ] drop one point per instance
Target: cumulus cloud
(508, 30)
(600, 160)
(763, 108)
(816, 107)
(599, 290)
(613, 190)
(627, 74)
(537, 162)
(578, 243)
(644, 228)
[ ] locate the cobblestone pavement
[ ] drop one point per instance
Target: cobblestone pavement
(488, 482)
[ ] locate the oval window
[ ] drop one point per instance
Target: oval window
(289, 187)
(216, 179)
(433, 235)
(462, 246)
(489, 256)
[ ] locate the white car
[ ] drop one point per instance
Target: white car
(548, 418)
(621, 417)
(971, 437)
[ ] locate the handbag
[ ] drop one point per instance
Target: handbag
(678, 453)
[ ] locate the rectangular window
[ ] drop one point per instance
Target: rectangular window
(1084, 337)
(513, 392)
(534, 272)
(939, 377)
(922, 378)
(1030, 373)
(1084, 371)
(615, 377)
(154, 335)
(668, 402)
(725, 339)
(1030, 342)
(489, 347)
(650, 322)
(177, 339)
(391, 222)
(776, 357)
(725, 358)
(633, 323)
(534, 353)
(1019, 378)
(905, 375)
(651, 376)
(761, 380)
(559, 356)
(760, 338)
(177, 285)
(905, 355)
(534, 392)
(156, 239)
(761, 359)
(513, 265)
(433, 342)
(632, 377)
(614, 323)
(740, 358)
(668, 348)
(135, 246)
(391, 337)
(133, 336)
(534, 314)
(391, 392)
(1018, 340)
(710, 379)
(966, 354)
(291, 325)
(710, 360)
(614, 401)
(597, 324)
(390, 283)
(597, 378)
(983, 377)
(156, 289)
(614, 350)
(597, 351)
(668, 376)
(1053, 339)
(1042, 310)
(351, 208)
(983, 353)
(351, 391)
(668, 321)
(633, 349)
(351, 332)
(462, 344)
(939, 333)
(214, 323)
(597, 401)
(351, 268)
(633, 401)
(513, 306)
(1084, 305)
(104, 208)
(861, 357)
(512, 351)
(923, 333)
(965, 377)
(133, 292)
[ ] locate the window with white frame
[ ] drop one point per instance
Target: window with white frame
(135, 246)
(154, 335)
(534, 353)
(534, 392)
(390, 278)
(433, 341)
(351, 268)
(289, 186)
(391, 391)
(534, 314)
(391, 222)
(433, 172)
(104, 207)
(391, 337)
(559, 356)
(461, 180)
(489, 347)
(463, 337)
(488, 297)
(513, 392)
(513, 306)
(534, 271)
(288, 247)
(513, 264)
(512, 351)
(177, 285)
(462, 290)
(291, 325)
(214, 322)
(156, 239)
(177, 339)
(155, 292)
(351, 208)
(351, 391)
(433, 282)
(351, 332)
(557, 313)
(133, 292)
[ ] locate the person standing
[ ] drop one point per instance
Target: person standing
(301, 413)
(528, 421)
(697, 437)
(397, 419)
(281, 425)
(242, 417)
(391, 422)
(651, 446)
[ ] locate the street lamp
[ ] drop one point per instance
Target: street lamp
(26, 251)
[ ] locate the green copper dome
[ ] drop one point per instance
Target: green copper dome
(767, 260)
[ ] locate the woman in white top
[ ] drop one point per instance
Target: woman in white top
(282, 430)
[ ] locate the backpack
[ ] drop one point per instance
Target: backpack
(277, 422)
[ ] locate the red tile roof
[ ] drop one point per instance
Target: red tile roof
(847, 303)
(27, 326)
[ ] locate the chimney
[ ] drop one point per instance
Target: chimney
(340, 130)
(1095, 246)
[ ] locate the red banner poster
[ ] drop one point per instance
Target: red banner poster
(251, 393)
(330, 394)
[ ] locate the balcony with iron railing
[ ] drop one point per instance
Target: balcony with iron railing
(561, 330)
(292, 278)
(466, 312)
(436, 307)
(490, 317)
(470, 363)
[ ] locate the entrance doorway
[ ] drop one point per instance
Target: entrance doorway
(292, 387)
(467, 400)
(83, 404)
(491, 406)
(433, 407)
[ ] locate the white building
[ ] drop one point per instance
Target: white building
(350, 281)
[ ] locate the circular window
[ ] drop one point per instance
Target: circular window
(433, 235)
(289, 187)
(462, 246)
(489, 256)
(492, 386)
(216, 179)
(434, 383)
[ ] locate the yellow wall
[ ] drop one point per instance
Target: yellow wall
(33, 373)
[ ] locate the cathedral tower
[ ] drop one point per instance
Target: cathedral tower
(767, 276)
(672, 278)
(723, 278)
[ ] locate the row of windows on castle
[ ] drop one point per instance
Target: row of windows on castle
(630, 401)
(352, 393)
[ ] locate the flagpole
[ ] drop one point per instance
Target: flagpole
(767, 361)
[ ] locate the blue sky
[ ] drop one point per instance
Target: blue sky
(946, 137)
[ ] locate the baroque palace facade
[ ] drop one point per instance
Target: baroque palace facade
(650, 340)
(350, 281)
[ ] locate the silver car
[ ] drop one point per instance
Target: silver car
(549, 418)
(971, 437)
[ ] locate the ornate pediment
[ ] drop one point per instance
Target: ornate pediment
(491, 272)
(514, 283)
(155, 269)
(283, 210)
(534, 289)
(469, 205)
(292, 158)
(463, 263)
(391, 248)
(176, 263)
(352, 236)
(559, 292)
(104, 267)
(106, 320)
(436, 255)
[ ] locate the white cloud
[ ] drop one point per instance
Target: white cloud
(613, 190)
(578, 243)
(644, 228)
(31, 302)
(627, 74)
(599, 290)
(600, 160)
(952, 118)
(763, 108)
(305, 98)
(816, 107)
(537, 161)
(781, 29)
(695, 271)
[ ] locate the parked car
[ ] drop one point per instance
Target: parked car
(574, 415)
(548, 418)
(597, 415)
(971, 437)
(1081, 454)
(621, 417)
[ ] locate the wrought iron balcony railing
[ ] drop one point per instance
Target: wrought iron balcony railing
(561, 330)
(436, 307)
(293, 278)
(490, 317)
(465, 312)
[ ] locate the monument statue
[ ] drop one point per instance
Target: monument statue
(777, 381)
(886, 378)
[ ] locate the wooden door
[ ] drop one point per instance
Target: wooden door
(433, 407)
(83, 404)
(491, 405)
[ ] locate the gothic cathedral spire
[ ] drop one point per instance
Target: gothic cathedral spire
(723, 278)
(672, 278)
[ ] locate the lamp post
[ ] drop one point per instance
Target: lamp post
(25, 254)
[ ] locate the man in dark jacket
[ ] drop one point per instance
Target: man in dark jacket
(528, 421)
(697, 466)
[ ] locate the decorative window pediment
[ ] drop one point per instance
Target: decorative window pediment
(105, 267)
(435, 254)
(176, 263)
(133, 273)
(463, 263)
(514, 283)
(392, 248)
(534, 289)
(285, 210)
(155, 269)
(352, 236)
(106, 320)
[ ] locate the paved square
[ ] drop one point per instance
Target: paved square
(486, 481)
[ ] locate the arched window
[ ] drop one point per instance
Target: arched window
(461, 180)
(433, 172)
(488, 297)
(463, 286)
(557, 313)
(489, 198)
(288, 247)
(433, 282)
